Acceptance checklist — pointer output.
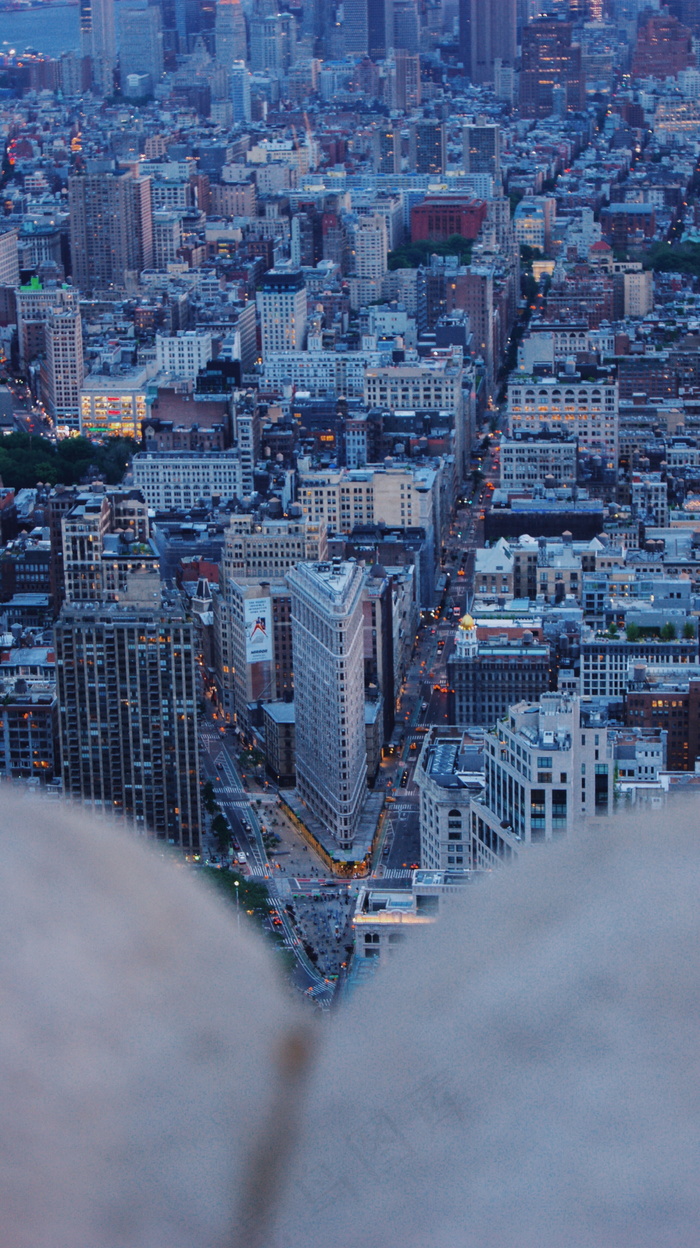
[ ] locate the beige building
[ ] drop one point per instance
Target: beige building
(431, 383)
(64, 367)
(566, 406)
(114, 405)
(257, 554)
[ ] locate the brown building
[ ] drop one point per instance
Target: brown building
(111, 228)
(549, 61)
(487, 33)
(664, 47)
(675, 708)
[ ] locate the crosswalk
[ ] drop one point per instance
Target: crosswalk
(231, 790)
(397, 873)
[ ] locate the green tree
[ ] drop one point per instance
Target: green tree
(633, 632)
(668, 632)
(222, 832)
(689, 630)
(412, 255)
(208, 797)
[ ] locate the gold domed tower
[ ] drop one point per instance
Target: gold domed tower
(466, 641)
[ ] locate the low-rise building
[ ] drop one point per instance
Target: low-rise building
(487, 677)
(545, 768)
(180, 480)
(448, 775)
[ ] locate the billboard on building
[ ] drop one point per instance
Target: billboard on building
(257, 618)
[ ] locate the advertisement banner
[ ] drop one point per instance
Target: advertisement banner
(257, 617)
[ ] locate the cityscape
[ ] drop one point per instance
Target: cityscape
(350, 455)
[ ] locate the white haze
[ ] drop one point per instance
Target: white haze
(523, 1075)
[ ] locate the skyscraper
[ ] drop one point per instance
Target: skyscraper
(406, 34)
(355, 28)
(127, 695)
(282, 308)
(380, 28)
(126, 663)
(404, 81)
(427, 146)
(63, 369)
(482, 149)
(140, 42)
(386, 148)
(239, 77)
(110, 227)
(549, 60)
(327, 638)
(487, 32)
(97, 40)
(230, 33)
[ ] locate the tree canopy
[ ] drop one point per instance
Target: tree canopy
(412, 255)
(26, 459)
(674, 258)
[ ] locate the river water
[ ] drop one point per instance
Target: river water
(52, 29)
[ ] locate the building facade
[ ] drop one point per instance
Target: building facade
(327, 636)
(127, 694)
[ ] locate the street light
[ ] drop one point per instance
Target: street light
(238, 912)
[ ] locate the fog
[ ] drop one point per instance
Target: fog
(524, 1073)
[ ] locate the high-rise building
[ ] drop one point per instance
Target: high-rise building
(550, 60)
(482, 149)
(34, 303)
(664, 47)
(406, 32)
(239, 77)
(380, 28)
(386, 148)
(167, 237)
(371, 247)
(230, 33)
(127, 695)
(427, 146)
(140, 42)
(185, 353)
(98, 41)
(64, 368)
(327, 638)
(252, 611)
(404, 80)
(355, 27)
(272, 42)
(9, 257)
(487, 33)
(110, 228)
(282, 307)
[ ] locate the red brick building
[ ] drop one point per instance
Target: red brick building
(438, 217)
(678, 711)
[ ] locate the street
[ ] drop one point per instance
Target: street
(311, 912)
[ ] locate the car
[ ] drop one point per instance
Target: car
(241, 858)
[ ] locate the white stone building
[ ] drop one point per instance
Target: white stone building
(566, 406)
(177, 480)
(544, 770)
(327, 638)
